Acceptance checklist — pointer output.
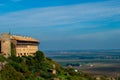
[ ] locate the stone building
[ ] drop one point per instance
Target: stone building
(22, 46)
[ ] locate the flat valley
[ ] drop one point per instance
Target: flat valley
(95, 62)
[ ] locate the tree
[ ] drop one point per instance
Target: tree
(12, 50)
(40, 56)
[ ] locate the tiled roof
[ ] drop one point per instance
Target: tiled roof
(22, 38)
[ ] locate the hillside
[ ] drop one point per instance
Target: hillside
(38, 67)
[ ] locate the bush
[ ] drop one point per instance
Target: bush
(2, 58)
(9, 73)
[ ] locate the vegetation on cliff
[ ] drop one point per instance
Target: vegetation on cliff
(38, 67)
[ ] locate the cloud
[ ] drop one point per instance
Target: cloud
(63, 15)
(98, 40)
(78, 25)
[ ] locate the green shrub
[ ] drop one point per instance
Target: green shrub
(40, 56)
(9, 73)
(2, 58)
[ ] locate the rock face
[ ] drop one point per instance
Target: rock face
(2, 65)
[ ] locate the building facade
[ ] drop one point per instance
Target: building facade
(19, 45)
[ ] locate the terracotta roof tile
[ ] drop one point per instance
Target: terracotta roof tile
(22, 38)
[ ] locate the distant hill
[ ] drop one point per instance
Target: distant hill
(91, 50)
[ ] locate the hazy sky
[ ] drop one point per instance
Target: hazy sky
(64, 24)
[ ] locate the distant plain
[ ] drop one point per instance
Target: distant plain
(95, 62)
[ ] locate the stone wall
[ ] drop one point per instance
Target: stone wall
(26, 50)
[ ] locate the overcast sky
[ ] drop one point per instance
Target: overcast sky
(64, 24)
